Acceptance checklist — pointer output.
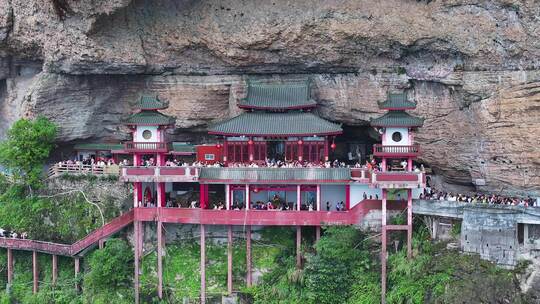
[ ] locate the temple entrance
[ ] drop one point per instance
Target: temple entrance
(276, 149)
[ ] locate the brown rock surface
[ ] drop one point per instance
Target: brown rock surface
(471, 65)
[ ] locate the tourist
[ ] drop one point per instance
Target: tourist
(327, 206)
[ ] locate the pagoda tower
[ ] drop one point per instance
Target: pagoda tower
(396, 152)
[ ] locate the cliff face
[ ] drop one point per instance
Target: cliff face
(472, 66)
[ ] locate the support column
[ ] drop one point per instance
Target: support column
(248, 198)
(10, 266)
(160, 245)
(409, 164)
(203, 265)
(35, 271)
(298, 197)
(409, 223)
(326, 152)
(318, 198)
(248, 255)
(229, 259)
(54, 269)
(228, 197)
(160, 195)
(251, 148)
(225, 150)
(347, 197)
(136, 239)
(77, 270)
(300, 150)
(317, 233)
(202, 196)
(101, 243)
(383, 165)
(298, 246)
(383, 249)
(525, 234)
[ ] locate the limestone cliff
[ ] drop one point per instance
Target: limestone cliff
(472, 66)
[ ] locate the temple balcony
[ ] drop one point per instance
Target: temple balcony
(396, 151)
(159, 174)
(146, 147)
(398, 179)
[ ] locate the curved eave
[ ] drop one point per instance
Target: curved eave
(397, 126)
(153, 108)
(398, 108)
(275, 135)
(299, 107)
(170, 125)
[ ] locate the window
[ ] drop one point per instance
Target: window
(209, 156)
(396, 136)
(147, 134)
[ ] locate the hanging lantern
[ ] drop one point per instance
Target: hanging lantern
(250, 142)
(300, 142)
(218, 146)
(333, 146)
(256, 190)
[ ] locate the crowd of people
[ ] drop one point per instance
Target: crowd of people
(476, 198)
(13, 234)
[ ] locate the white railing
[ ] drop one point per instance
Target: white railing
(59, 169)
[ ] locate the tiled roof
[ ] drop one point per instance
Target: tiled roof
(278, 96)
(275, 175)
(397, 119)
(151, 103)
(98, 146)
(150, 118)
(276, 124)
(397, 101)
(183, 147)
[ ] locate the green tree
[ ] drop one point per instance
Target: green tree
(27, 147)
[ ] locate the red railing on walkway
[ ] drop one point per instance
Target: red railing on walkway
(133, 146)
(380, 150)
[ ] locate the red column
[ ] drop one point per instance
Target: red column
(203, 192)
(298, 197)
(383, 249)
(383, 164)
(160, 245)
(326, 152)
(409, 164)
(409, 223)
(161, 194)
(229, 259)
(136, 159)
(203, 265)
(225, 150)
(136, 232)
(300, 150)
(251, 148)
(54, 268)
(35, 271)
(10, 266)
(248, 256)
(347, 197)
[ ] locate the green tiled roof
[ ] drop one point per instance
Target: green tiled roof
(397, 101)
(275, 175)
(150, 118)
(99, 146)
(183, 147)
(278, 96)
(397, 119)
(276, 124)
(151, 103)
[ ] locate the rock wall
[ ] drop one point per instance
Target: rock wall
(472, 66)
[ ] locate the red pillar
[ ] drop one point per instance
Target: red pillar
(203, 266)
(248, 256)
(10, 266)
(409, 223)
(383, 165)
(251, 149)
(225, 150)
(383, 249)
(300, 150)
(161, 194)
(160, 245)
(203, 195)
(298, 197)
(409, 164)
(298, 246)
(229, 259)
(54, 269)
(326, 152)
(35, 271)
(136, 232)
(347, 197)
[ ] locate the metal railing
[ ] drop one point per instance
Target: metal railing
(59, 169)
(379, 149)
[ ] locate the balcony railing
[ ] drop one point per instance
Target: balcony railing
(146, 146)
(59, 169)
(380, 150)
(399, 179)
(160, 174)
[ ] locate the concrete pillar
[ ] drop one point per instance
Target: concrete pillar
(35, 271)
(298, 197)
(318, 198)
(229, 259)
(228, 197)
(54, 269)
(101, 244)
(525, 234)
(136, 239)
(203, 265)
(317, 233)
(435, 227)
(409, 223)
(298, 246)
(160, 245)
(248, 255)
(77, 270)
(10, 266)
